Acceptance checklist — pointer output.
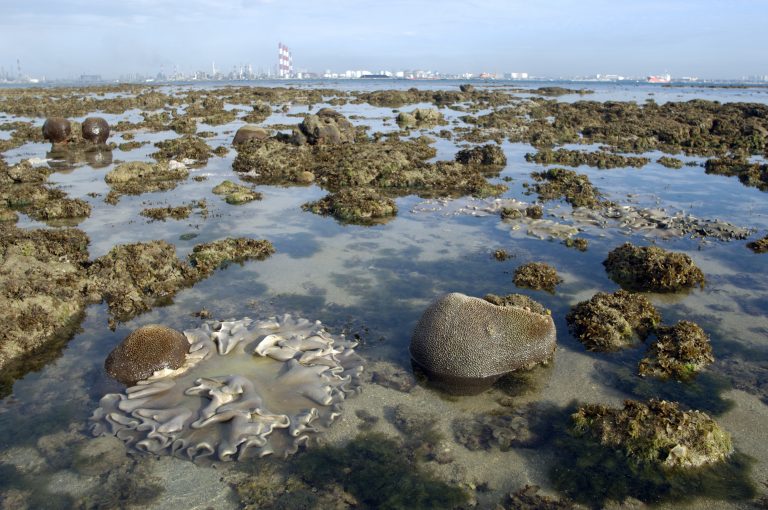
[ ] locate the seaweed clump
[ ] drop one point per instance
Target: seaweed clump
(650, 268)
(575, 188)
(537, 276)
(236, 194)
(163, 213)
(187, 148)
(600, 159)
(680, 351)
(208, 257)
(749, 174)
(377, 471)
(657, 432)
(355, 205)
(759, 246)
(670, 162)
(608, 322)
(138, 177)
(489, 155)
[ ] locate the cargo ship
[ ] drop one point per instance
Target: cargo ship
(661, 78)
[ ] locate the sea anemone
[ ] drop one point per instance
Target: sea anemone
(247, 389)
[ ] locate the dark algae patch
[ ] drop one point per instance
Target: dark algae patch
(208, 257)
(679, 352)
(537, 276)
(362, 206)
(650, 268)
(489, 155)
(609, 322)
(753, 174)
(670, 162)
(163, 213)
(186, 147)
(379, 473)
(652, 451)
(575, 188)
(601, 159)
(759, 246)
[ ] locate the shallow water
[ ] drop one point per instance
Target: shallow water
(375, 282)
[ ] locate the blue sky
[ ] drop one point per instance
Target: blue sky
(66, 38)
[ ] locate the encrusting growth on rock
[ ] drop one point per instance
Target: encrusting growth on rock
(650, 268)
(679, 351)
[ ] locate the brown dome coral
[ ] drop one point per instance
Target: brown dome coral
(466, 343)
(247, 388)
(144, 352)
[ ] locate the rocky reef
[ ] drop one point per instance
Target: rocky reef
(187, 149)
(650, 268)
(488, 155)
(670, 162)
(759, 246)
(602, 160)
(537, 276)
(138, 177)
(753, 174)
(575, 188)
(246, 389)
(363, 206)
(608, 322)
(236, 194)
(656, 432)
(679, 352)
(420, 117)
(455, 329)
(208, 257)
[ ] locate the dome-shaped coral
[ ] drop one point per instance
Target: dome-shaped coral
(144, 352)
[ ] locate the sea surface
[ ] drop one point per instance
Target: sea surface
(375, 281)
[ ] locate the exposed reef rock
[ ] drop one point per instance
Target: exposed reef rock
(420, 117)
(246, 389)
(603, 160)
(489, 155)
(575, 188)
(749, 174)
(162, 213)
(57, 130)
(650, 268)
(95, 130)
(250, 132)
(537, 276)
(41, 294)
(465, 343)
(759, 246)
(670, 162)
(608, 322)
(679, 352)
(132, 278)
(208, 257)
(139, 177)
(145, 351)
(656, 433)
(236, 194)
(362, 206)
(187, 149)
(327, 127)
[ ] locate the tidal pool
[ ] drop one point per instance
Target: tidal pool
(372, 283)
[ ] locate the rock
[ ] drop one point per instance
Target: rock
(236, 194)
(327, 127)
(466, 87)
(464, 344)
(95, 130)
(99, 455)
(250, 132)
(680, 351)
(537, 276)
(57, 130)
(489, 155)
(145, 351)
(363, 206)
(653, 269)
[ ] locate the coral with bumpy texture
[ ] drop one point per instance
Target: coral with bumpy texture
(247, 388)
(467, 338)
(145, 351)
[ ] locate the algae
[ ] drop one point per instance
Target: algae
(363, 206)
(537, 276)
(602, 160)
(608, 322)
(185, 148)
(651, 268)
(679, 352)
(236, 194)
(759, 246)
(575, 188)
(208, 257)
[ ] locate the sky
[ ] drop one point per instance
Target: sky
(555, 38)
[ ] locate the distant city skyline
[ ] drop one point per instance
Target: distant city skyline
(59, 39)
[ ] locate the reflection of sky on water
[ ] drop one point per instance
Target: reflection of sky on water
(383, 277)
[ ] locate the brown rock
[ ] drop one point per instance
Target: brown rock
(250, 132)
(95, 130)
(57, 130)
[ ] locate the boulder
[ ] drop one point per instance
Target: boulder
(57, 130)
(95, 130)
(145, 351)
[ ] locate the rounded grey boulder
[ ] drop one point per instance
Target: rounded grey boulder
(465, 343)
(250, 132)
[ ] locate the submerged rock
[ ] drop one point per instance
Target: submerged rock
(575, 188)
(145, 351)
(759, 246)
(650, 268)
(236, 194)
(464, 343)
(679, 351)
(208, 257)
(656, 433)
(355, 205)
(537, 276)
(608, 322)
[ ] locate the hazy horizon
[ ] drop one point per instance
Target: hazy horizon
(67, 38)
